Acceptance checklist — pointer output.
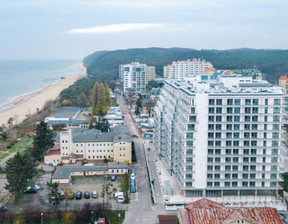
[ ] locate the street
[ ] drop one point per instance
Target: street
(141, 209)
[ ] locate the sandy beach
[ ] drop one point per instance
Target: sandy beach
(29, 103)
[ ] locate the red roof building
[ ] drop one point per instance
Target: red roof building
(205, 211)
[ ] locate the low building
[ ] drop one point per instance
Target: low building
(77, 144)
(53, 157)
(63, 174)
(205, 211)
(283, 81)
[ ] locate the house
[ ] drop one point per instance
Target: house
(63, 174)
(167, 219)
(205, 211)
(53, 157)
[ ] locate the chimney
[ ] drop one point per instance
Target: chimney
(96, 135)
(119, 137)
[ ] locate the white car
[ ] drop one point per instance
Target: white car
(94, 194)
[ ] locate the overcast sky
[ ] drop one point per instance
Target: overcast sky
(31, 29)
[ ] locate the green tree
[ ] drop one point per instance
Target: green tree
(138, 106)
(54, 194)
(108, 99)
(112, 84)
(19, 170)
(94, 98)
(42, 141)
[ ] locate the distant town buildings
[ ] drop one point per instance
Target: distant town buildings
(135, 76)
(189, 68)
(220, 134)
(283, 81)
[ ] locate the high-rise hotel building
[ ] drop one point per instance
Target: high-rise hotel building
(220, 136)
(135, 76)
(189, 68)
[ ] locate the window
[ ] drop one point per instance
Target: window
(247, 110)
(210, 127)
(211, 118)
(229, 118)
(254, 135)
(255, 110)
(236, 118)
(277, 101)
(210, 135)
(217, 168)
(210, 159)
(247, 118)
(274, 151)
(237, 110)
(217, 160)
(218, 118)
(234, 176)
(244, 184)
(236, 127)
(228, 143)
(236, 135)
(218, 127)
(209, 168)
(229, 127)
(229, 101)
(235, 151)
(211, 101)
(246, 127)
(247, 101)
(254, 127)
(219, 101)
(237, 101)
(227, 184)
(228, 160)
(219, 110)
(227, 168)
(276, 118)
(266, 101)
(210, 176)
(235, 168)
(229, 110)
(189, 135)
(235, 159)
(255, 118)
(192, 118)
(255, 101)
(227, 176)
(234, 184)
(276, 110)
(191, 127)
(228, 151)
(218, 135)
(245, 176)
(217, 151)
(246, 152)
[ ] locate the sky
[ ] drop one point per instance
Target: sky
(72, 29)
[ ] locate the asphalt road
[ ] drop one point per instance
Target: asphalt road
(141, 209)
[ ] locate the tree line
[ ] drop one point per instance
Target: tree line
(101, 99)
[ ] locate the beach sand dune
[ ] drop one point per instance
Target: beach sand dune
(29, 103)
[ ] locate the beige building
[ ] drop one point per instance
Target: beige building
(150, 73)
(77, 144)
(283, 81)
(166, 71)
(53, 157)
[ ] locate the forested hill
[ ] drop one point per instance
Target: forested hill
(273, 63)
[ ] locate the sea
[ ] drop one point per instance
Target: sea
(21, 77)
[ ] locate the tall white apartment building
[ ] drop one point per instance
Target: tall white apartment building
(134, 76)
(221, 137)
(189, 68)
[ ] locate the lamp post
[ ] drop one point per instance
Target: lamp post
(41, 217)
(92, 214)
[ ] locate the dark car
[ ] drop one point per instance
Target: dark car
(87, 195)
(78, 195)
(30, 191)
(3, 208)
(71, 195)
(113, 177)
(133, 182)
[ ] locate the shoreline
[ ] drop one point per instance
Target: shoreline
(29, 103)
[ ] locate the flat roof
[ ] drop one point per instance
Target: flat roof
(65, 112)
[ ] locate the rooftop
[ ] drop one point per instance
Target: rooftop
(65, 112)
(205, 211)
(53, 152)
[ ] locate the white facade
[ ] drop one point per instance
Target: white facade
(220, 141)
(135, 76)
(189, 68)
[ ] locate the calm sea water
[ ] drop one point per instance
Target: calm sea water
(18, 77)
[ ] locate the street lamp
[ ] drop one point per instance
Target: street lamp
(92, 214)
(41, 217)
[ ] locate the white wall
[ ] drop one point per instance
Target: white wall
(201, 140)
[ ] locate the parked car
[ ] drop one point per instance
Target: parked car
(106, 177)
(30, 191)
(133, 176)
(113, 177)
(34, 186)
(62, 195)
(132, 189)
(87, 195)
(78, 195)
(3, 208)
(71, 195)
(94, 194)
(133, 171)
(133, 182)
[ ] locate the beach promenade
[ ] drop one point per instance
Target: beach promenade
(28, 104)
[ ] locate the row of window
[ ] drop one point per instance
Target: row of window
(254, 118)
(236, 152)
(235, 168)
(247, 135)
(235, 184)
(98, 151)
(243, 176)
(238, 101)
(237, 110)
(236, 160)
(98, 157)
(236, 127)
(95, 144)
(237, 143)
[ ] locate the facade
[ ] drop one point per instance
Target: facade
(221, 137)
(205, 211)
(150, 73)
(53, 157)
(78, 144)
(135, 76)
(166, 71)
(189, 68)
(283, 81)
